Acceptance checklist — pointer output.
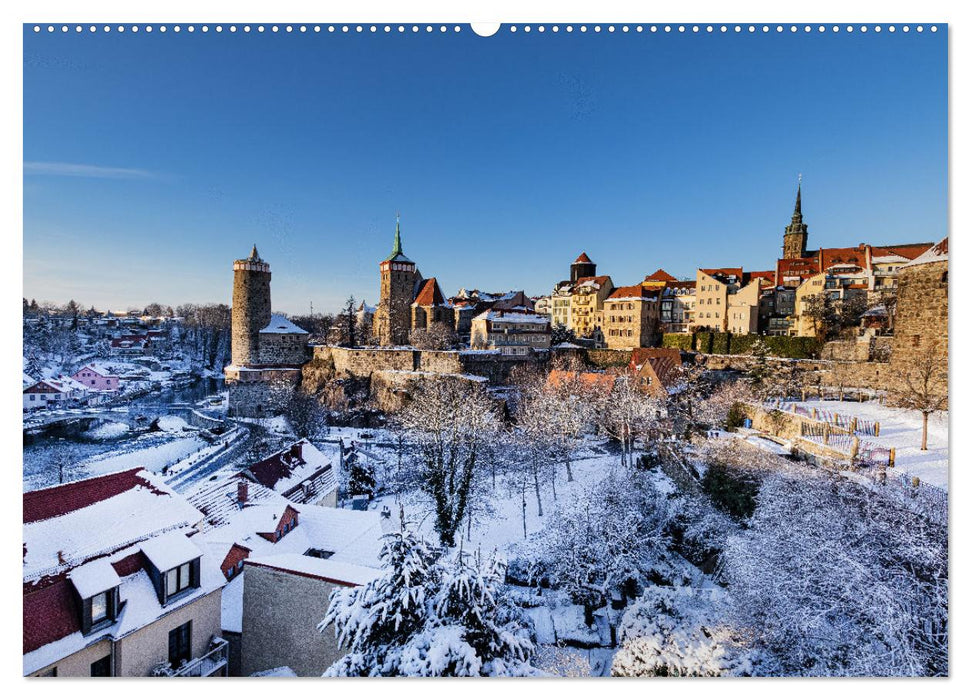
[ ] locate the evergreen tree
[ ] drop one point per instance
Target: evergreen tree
(361, 481)
(428, 615)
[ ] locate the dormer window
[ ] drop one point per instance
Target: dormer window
(174, 567)
(178, 579)
(97, 586)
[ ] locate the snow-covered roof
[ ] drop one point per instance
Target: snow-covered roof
(325, 569)
(936, 253)
(94, 577)
(170, 550)
(280, 324)
(512, 317)
(219, 501)
(289, 469)
(68, 524)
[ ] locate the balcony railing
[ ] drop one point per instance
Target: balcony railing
(209, 664)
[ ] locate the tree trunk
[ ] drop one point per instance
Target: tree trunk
(923, 439)
(539, 500)
(524, 506)
(569, 470)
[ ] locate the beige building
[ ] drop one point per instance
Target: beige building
(631, 317)
(727, 300)
(586, 302)
(512, 332)
(837, 285)
(118, 583)
(678, 306)
(743, 309)
(560, 305)
(284, 599)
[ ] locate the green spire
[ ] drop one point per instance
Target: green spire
(397, 237)
(797, 212)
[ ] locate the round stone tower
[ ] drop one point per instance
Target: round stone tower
(251, 308)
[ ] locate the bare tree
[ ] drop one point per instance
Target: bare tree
(924, 387)
(627, 413)
(439, 336)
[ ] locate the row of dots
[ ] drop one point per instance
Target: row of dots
(695, 29)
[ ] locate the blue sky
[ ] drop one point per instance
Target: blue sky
(153, 160)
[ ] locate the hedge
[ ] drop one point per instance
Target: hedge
(682, 341)
(799, 348)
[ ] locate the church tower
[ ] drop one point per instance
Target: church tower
(251, 308)
(399, 278)
(797, 233)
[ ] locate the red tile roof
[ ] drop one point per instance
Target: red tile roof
(50, 613)
(599, 279)
(430, 294)
(55, 501)
(660, 275)
(641, 355)
(583, 259)
(842, 256)
(635, 291)
(906, 250)
(723, 271)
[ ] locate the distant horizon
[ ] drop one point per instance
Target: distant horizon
(152, 161)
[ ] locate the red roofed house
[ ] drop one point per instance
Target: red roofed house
(659, 368)
(115, 583)
(301, 473)
(632, 317)
(430, 308)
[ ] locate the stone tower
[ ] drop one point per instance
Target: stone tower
(583, 266)
(399, 278)
(797, 233)
(251, 308)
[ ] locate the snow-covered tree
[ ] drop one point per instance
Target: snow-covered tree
(449, 421)
(679, 631)
(429, 615)
(605, 539)
(832, 577)
(627, 413)
(361, 480)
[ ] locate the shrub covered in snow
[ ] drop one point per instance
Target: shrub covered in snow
(679, 632)
(833, 578)
(429, 615)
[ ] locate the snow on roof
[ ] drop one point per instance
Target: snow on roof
(328, 570)
(280, 324)
(66, 525)
(232, 605)
(28, 380)
(512, 317)
(288, 469)
(94, 577)
(936, 253)
(219, 501)
(170, 550)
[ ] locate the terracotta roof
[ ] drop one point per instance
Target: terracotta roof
(430, 294)
(599, 279)
(55, 501)
(635, 291)
(44, 387)
(723, 272)
(290, 468)
(905, 250)
(665, 369)
(50, 613)
(937, 253)
(583, 259)
(641, 355)
(660, 275)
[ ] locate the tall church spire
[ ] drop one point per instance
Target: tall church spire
(396, 250)
(797, 212)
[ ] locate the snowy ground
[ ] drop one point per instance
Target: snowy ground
(902, 429)
(153, 457)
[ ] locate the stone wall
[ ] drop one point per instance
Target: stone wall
(283, 348)
(921, 319)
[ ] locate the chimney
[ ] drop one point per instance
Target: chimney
(242, 492)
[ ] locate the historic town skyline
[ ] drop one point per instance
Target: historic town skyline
(504, 169)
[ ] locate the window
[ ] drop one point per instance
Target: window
(101, 667)
(99, 608)
(318, 553)
(180, 644)
(178, 579)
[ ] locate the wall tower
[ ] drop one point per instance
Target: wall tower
(583, 266)
(251, 308)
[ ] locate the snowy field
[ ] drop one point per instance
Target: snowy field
(902, 429)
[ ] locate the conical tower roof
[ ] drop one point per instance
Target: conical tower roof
(397, 255)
